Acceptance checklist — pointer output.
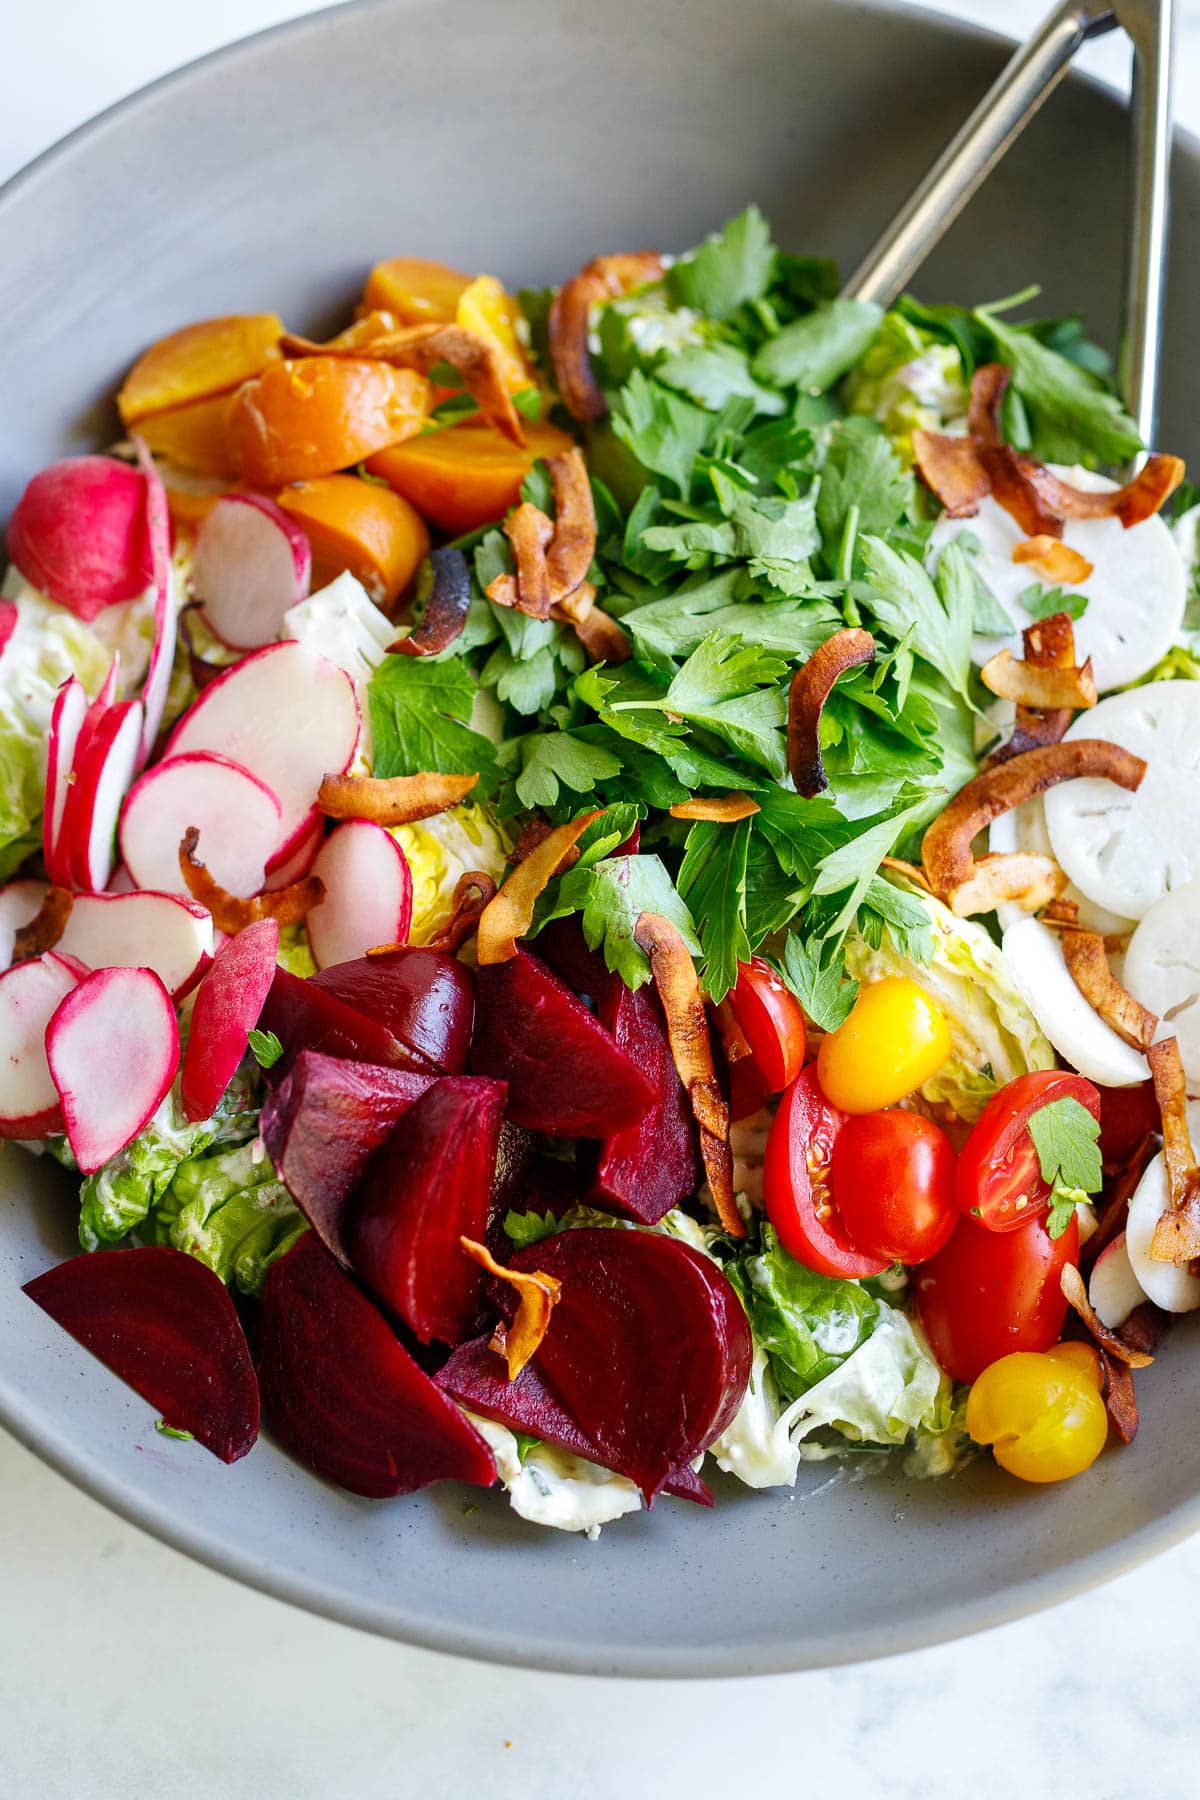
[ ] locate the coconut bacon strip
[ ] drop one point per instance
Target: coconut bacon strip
(1139, 499)
(392, 800)
(445, 608)
(1074, 1290)
(1053, 560)
(509, 914)
(1177, 1235)
(1049, 644)
(537, 1296)
(47, 925)
(946, 846)
(811, 687)
(691, 1051)
(1087, 960)
(1039, 687)
(605, 278)
(230, 913)
(723, 809)
(1020, 877)
(989, 384)
(952, 469)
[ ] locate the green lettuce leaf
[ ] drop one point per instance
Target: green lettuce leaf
(230, 1212)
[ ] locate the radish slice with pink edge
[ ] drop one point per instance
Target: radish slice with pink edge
(8, 623)
(1170, 1285)
(296, 858)
(79, 534)
(287, 715)
(1114, 1290)
(113, 1049)
(66, 723)
(166, 605)
(368, 894)
(102, 776)
(30, 995)
(251, 563)
(66, 771)
(227, 1005)
(236, 814)
(19, 902)
(162, 932)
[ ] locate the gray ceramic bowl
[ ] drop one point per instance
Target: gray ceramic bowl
(523, 136)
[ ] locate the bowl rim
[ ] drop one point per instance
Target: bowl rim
(962, 1618)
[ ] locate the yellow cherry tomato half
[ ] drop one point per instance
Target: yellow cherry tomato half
(1042, 1413)
(893, 1039)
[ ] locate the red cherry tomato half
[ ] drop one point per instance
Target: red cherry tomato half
(770, 1019)
(893, 1178)
(987, 1293)
(1126, 1116)
(999, 1181)
(796, 1184)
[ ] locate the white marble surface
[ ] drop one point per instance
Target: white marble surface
(129, 1673)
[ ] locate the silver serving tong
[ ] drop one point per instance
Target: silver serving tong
(1028, 79)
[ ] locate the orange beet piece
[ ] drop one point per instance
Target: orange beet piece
(194, 437)
(359, 525)
(212, 357)
(414, 291)
(484, 307)
(466, 475)
(312, 416)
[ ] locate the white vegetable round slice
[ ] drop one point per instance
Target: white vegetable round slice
(1167, 1284)
(1038, 970)
(1114, 1290)
(1162, 970)
(1135, 593)
(1123, 850)
(1024, 828)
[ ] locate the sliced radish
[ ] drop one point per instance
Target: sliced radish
(295, 858)
(30, 995)
(1038, 970)
(251, 563)
(122, 881)
(1162, 970)
(1114, 1290)
(166, 605)
(66, 723)
(236, 814)
(1169, 1285)
(19, 902)
(1125, 851)
(1123, 639)
(1024, 828)
(95, 711)
(79, 534)
(8, 623)
(113, 1049)
(286, 715)
(104, 768)
(171, 936)
(227, 1006)
(368, 893)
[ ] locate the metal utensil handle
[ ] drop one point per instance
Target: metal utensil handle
(1007, 107)
(1150, 24)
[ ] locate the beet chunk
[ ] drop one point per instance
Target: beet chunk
(323, 1123)
(652, 1165)
(565, 1075)
(477, 1377)
(165, 1324)
(306, 1017)
(428, 1186)
(424, 998)
(344, 1396)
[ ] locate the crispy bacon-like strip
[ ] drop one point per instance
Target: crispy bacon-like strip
(231, 914)
(1120, 1402)
(811, 687)
(423, 347)
(605, 278)
(445, 608)
(691, 1051)
(724, 809)
(952, 469)
(1087, 960)
(910, 871)
(1020, 876)
(574, 543)
(528, 531)
(1038, 687)
(509, 914)
(1119, 1191)
(989, 384)
(1074, 1290)
(1177, 1235)
(1139, 499)
(1049, 644)
(537, 1296)
(472, 893)
(47, 925)
(946, 847)
(392, 800)
(598, 631)
(1014, 492)
(1053, 560)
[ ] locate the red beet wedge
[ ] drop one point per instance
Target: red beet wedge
(165, 1324)
(429, 1186)
(648, 1348)
(565, 1074)
(645, 1170)
(342, 1393)
(322, 1125)
(304, 1017)
(477, 1377)
(424, 998)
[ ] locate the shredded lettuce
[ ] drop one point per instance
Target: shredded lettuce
(994, 1034)
(908, 382)
(440, 850)
(230, 1211)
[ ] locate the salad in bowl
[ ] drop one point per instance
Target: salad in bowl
(599, 883)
